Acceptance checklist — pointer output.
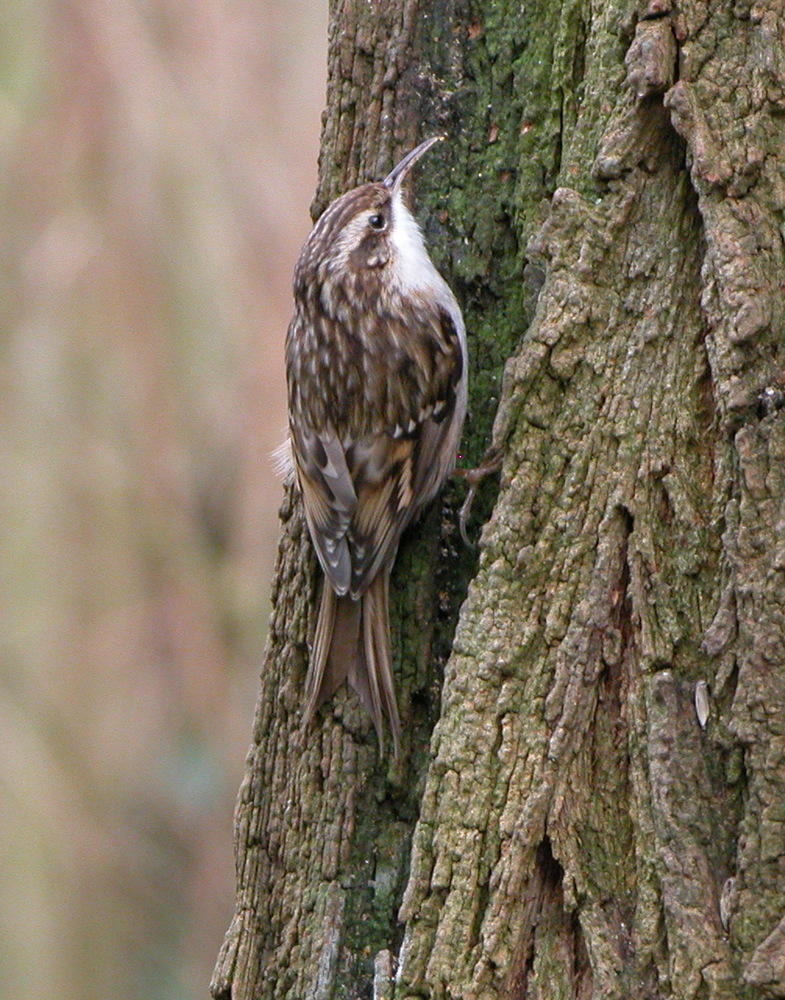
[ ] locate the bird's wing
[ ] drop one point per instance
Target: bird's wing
(395, 473)
(361, 490)
(329, 499)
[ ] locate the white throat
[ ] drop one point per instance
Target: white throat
(414, 267)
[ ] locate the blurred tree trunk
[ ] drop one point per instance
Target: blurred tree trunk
(608, 209)
(150, 211)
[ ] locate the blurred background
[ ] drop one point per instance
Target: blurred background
(157, 163)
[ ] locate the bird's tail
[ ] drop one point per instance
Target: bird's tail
(352, 642)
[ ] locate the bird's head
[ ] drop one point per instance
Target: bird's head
(367, 233)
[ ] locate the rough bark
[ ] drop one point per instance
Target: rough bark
(579, 833)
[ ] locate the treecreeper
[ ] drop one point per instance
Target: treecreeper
(376, 368)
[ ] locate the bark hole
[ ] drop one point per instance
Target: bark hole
(547, 919)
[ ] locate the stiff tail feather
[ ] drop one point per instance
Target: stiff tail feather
(352, 642)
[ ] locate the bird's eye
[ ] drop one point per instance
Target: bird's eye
(377, 221)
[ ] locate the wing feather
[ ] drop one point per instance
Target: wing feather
(363, 485)
(329, 500)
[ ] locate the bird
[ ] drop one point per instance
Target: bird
(376, 369)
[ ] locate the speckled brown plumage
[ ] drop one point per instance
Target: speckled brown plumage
(376, 371)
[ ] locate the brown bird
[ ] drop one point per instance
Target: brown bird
(376, 368)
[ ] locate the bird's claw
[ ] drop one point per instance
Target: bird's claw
(491, 463)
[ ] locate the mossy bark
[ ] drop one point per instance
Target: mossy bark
(609, 210)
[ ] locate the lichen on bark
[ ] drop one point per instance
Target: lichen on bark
(609, 209)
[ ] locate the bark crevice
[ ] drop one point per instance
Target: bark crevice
(576, 823)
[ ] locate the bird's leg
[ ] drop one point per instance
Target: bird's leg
(490, 464)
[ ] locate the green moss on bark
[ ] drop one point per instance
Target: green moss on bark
(613, 239)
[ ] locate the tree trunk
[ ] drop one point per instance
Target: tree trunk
(599, 811)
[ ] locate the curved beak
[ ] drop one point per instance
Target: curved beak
(397, 175)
